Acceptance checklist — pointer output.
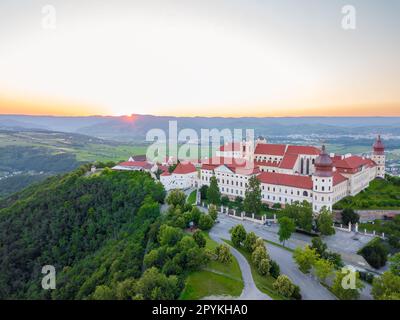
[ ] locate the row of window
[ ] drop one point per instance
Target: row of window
(273, 189)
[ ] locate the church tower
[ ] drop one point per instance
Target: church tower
(323, 182)
(378, 156)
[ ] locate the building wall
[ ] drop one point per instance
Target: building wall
(179, 181)
(284, 195)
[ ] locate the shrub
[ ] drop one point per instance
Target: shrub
(206, 222)
(375, 253)
(274, 269)
(250, 241)
(284, 286)
(223, 254)
(349, 215)
(199, 238)
(238, 235)
(296, 293)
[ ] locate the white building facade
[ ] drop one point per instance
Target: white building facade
(293, 173)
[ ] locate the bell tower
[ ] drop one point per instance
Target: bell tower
(323, 182)
(378, 156)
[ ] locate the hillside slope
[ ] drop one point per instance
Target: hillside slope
(92, 229)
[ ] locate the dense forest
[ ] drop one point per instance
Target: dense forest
(93, 229)
(105, 234)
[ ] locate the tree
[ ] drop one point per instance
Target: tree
(176, 198)
(223, 254)
(126, 289)
(154, 285)
(103, 292)
(169, 235)
(263, 267)
(250, 241)
(325, 222)
(238, 235)
(395, 264)
(319, 246)
(305, 258)
(205, 222)
(274, 270)
(375, 253)
(195, 214)
(213, 193)
(284, 286)
(261, 260)
(212, 211)
(305, 217)
(286, 228)
(301, 213)
(386, 287)
(203, 192)
(199, 238)
(238, 203)
(349, 215)
(342, 287)
(225, 201)
(323, 269)
(252, 202)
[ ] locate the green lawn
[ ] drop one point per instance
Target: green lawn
(192, 197)
(381, 194)
(215, 279)
(278, 245)
(263, 283)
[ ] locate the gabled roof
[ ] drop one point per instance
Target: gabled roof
(184, 168)
(162, 168)
(338, 178)
(235, 165)
(233, 146)
(288, 161)
(270, 149)
(274, 164)
(165, 173)
(308, 150)
(352, 162)
(138, 164)
(289, 180)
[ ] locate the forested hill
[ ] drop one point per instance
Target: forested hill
(92, 229)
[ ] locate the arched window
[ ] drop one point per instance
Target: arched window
(302, 166)
(305, 193)
(308, 166)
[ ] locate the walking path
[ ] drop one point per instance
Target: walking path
(250, 291)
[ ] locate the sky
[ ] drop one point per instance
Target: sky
(199, 58)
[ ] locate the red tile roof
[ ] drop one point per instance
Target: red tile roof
(233, 146)
(184, 168)
(289, 180)
(338, 178)
(267, 163)
(352, 162)
(165, 173)
(309, 150)
(288, 161)
(270, 149)
(140, 164)
(238, 166)
(162, 168)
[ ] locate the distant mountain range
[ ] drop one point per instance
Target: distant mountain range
(134, 128)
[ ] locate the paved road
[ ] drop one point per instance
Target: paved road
(344, 243)
(250, 291)
(310, 288)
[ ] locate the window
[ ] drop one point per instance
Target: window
(305, 193)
